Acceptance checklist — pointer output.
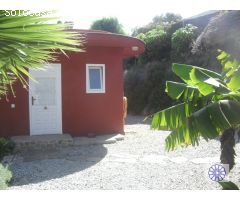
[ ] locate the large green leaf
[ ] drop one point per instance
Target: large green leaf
(189, 123)
(231, 110)
(231, 70)
(211, 103)
(228, 185)
(205, 80)
(181, 91)
(234, 81)
(173, 117)
(209, 121)
(176, 138)
(183, 71)
(182, 137)
(229, 63)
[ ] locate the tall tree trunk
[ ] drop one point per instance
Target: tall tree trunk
(227, 147)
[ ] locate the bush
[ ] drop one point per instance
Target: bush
(135, 90)
(5, 177)
(157, 74)
(6, 147)
(145, 79)
(158, 45)
(182, 40)
(145, 87)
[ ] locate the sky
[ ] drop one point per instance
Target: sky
(130, 13)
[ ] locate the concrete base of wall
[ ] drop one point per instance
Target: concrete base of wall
(58, 141)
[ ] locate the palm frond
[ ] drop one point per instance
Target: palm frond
(30, 41)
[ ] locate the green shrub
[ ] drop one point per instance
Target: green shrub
(135, 90)
(6, 147)
(158, 45)
(182, 40)
(5, 177)
(157, 74)
(145, 87)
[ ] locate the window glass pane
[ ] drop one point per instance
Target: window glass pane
(45, 91)
(95, 75)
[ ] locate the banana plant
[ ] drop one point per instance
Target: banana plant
(208, 107)
(29, 41)
(228, 185)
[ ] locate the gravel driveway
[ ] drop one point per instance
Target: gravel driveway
(137, 162)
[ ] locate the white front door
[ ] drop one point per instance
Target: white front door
(45, 102)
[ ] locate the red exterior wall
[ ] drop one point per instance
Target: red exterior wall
(92, 113)
(82, 113)
(15, 121)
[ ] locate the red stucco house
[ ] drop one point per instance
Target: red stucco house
(78, 95)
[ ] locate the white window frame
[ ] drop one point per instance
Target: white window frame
(102, 78)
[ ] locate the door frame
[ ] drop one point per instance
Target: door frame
(34, 73)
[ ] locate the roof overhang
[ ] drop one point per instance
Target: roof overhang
(131, 46)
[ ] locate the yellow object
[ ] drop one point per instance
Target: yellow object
(124, 107)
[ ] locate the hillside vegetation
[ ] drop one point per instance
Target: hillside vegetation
(169, 39)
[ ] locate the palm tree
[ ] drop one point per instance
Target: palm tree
(209, 107)
(29, 42)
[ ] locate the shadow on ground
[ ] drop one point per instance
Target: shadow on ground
(43, 165)
(134, 120)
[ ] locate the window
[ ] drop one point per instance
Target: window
(95, 76)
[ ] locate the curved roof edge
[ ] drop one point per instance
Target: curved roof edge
(132, 46)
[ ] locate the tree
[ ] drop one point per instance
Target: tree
(28, 41)
(110, 24)
(160, 21)
(167, 19)
(182, 41)
(158, 45)
(150, 70)
(209, 107)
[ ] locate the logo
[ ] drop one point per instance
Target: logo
(217, 172)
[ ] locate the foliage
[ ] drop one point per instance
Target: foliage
(157, 36)
(182, 39)
(110, 24)
(166, 20)
(157, 45)
(145, 87)
(5, 177)
(161, 21)
(6, 147)
(29, 42)
(228, 185)
(209, 103)
(135, 81)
